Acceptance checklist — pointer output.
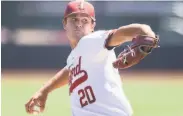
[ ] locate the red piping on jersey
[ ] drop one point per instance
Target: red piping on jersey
(108, 39)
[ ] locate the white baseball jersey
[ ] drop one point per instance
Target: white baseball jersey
(95, 86)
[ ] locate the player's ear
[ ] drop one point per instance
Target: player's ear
(64, 22)
(93, 25)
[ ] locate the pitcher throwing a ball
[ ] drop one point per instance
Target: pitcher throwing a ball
(95, 86)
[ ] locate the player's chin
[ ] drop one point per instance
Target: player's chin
(79, 34)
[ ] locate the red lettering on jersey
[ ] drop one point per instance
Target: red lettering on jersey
(75, 71)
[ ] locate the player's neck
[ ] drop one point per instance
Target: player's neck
(73, 43)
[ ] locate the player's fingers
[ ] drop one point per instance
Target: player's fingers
(42, 108)
(27, 106)
(31, 106)
(41, 104)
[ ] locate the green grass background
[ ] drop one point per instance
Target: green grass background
(148, 97)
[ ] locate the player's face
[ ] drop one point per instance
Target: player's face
(78, 25)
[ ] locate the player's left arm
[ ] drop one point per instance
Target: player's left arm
(127, 33)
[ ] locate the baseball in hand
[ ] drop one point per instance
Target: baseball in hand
(36, 110)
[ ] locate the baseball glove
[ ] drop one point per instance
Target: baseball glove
(140, 47)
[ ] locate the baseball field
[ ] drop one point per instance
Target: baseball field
(150, 93)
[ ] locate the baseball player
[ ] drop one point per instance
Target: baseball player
(95, 87)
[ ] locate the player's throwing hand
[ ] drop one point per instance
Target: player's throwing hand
(37, 103)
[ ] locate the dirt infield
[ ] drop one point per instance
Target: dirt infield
(126, 75)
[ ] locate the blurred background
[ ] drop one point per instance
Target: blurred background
(34, 47)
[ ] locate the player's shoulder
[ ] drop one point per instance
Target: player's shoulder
(100, 32)
(97, 34)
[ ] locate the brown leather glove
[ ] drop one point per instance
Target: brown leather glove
(140, 47)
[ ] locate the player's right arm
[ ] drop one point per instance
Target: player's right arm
(39, 98)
